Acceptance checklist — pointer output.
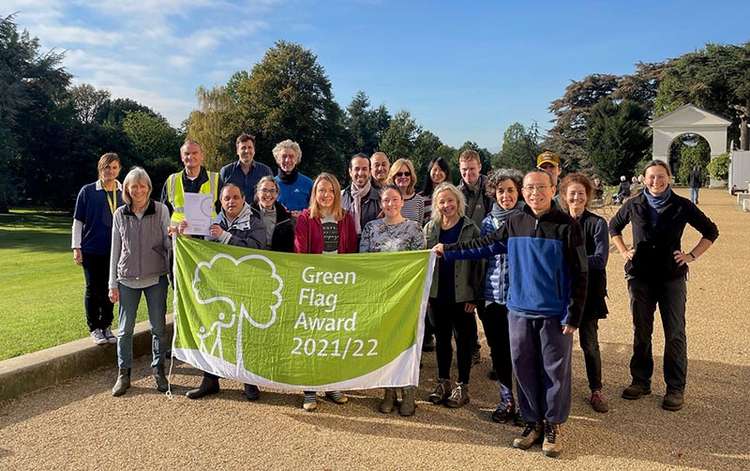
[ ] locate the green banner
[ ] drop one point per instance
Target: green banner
(299, 321)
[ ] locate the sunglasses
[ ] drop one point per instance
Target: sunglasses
(403, 174)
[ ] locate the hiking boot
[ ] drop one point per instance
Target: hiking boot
(673, 400)
(504, 412)
(123, 382)
(389, 401)
(635, 391)
(459, 396)
(552, 445)
(531, 435)
(209, 385)
(337, 397)
(98, 337)
(252, 393)
(408, 404)
(310, 401)
(598, 401)
(109, 335)
(162, 384)
(441, 391)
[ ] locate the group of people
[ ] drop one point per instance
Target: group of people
(521, 252)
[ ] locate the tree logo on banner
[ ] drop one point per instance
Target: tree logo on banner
(258, 306)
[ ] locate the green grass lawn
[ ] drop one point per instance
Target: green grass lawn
(41, 288)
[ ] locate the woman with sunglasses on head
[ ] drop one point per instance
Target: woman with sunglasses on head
(402, 175)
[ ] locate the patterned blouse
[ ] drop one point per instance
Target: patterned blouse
(378, 236)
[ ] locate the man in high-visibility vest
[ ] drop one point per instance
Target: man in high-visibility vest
(193, 179)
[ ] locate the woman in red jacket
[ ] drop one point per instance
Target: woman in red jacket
(325, 227)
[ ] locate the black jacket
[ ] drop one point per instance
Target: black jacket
(282, 239)
(655, 245)
(593, 227)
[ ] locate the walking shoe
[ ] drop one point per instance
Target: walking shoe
(635, 391)
(598, 401)
(459, 396)
(109, 335)
(123, 382)
(441, 391)
(408, 404)
(552, 445)
(209, 385)
(504, 412)
(310, 401)
(98, 337)
(388, 402)
(161, 379)
(252, 393)
(337, 397)
(673, 400)
(531, 435)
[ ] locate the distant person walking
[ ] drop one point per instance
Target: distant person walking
(91, 243)
(695, 181)
(139, 266)
(656, 269)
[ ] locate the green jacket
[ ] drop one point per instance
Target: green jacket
(468, 272)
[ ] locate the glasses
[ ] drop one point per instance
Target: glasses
(266, 191)
(532, 188)
(403, 174)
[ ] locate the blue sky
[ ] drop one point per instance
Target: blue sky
(465, 70)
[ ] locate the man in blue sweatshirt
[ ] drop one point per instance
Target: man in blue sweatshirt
(547, 275)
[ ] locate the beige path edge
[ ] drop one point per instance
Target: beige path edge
(79, 425)
(37, 370)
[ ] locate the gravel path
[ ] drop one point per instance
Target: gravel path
(80, 426)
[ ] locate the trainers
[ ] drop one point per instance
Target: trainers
(310, 401)
(504, 412)
(635, 391)
(441, 391)
(459, 396)
(98, 337)
(598, 401)
(109, 335)
(337, 397)
(673, 400)
(552, 445)
(531, 435)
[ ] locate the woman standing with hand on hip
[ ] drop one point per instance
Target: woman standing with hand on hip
(92, 236)
(656, 268)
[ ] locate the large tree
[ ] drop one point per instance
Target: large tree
(87, 101)
(618, 138)
(364, 125)
(519, 148)
(287, 95)
(399, 140)
(215, 125)
(155, 144)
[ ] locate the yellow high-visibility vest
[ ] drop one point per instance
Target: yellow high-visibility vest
(176, 194)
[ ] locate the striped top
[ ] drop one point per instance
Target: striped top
(414, 209)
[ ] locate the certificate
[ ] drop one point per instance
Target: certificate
(198, 209)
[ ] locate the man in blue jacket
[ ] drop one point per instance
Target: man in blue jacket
(548, 275)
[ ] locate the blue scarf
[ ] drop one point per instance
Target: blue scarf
(657, 204)
(501, 214)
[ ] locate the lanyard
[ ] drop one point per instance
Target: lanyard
(111, 201)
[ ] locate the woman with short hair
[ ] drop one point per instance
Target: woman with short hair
(576, 191)
(453, 293)
(325, 227)
(91, 243)
(393, 233)
(402, 175)
(139, 263)
(276, 219)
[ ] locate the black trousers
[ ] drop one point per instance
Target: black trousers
(448, 318)
(670, 296)
(99, 310)
(588, 335)
(494, 319)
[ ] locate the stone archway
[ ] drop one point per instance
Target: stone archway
(693, 120)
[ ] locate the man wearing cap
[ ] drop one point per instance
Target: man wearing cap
(549, 163)
(246, 172)
(380, 165)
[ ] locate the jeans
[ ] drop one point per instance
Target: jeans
(448, 318)
(541, 361)
(588, 336)
(156, 300)
(494, 319)
(99, 310)
(670, 296)
(694, 195)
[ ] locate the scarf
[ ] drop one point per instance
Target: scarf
(500, 215)
(290, 177)
(357, 195)
(657, 204)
